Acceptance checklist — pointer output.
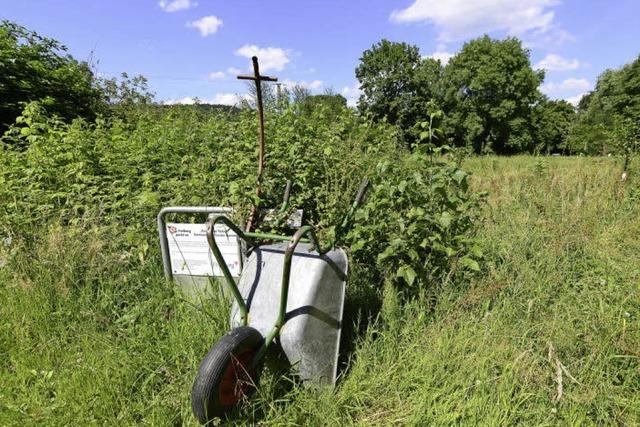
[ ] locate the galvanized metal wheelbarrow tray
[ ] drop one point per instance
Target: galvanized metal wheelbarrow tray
(293, 291)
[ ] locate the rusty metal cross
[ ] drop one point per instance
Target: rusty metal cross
(258, 79)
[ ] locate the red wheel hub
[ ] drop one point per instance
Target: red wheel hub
(237, 378)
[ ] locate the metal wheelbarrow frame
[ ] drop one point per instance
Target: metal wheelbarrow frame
(251, 239)
(229, 372)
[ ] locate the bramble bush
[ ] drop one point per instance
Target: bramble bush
(416, 225)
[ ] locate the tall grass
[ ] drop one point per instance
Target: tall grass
(92, 335)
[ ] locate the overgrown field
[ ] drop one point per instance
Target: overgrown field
(546, 333)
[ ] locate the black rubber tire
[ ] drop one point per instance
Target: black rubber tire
(213, 374)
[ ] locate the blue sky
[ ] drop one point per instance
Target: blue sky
(191, 49)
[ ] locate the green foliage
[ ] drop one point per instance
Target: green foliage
(551, 122)
(36, 68)
(91, 334)
(616, 98)
(419, 217)
(332, 102)
(418, 226)
(127, 91)
(617, 92)
(625, 134)
(396, 84)
(490, 90)
(126, 96)
(588, 138)
(385, 74)
(125, 172)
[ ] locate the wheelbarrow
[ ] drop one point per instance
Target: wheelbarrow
(290, 293)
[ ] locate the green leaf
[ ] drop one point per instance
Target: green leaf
(459, 176)
(445, 219)
(407, 273)
(470, 263)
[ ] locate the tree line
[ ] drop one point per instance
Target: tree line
(491, 100)
(488, 95)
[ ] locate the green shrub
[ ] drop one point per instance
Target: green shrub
(417, 223)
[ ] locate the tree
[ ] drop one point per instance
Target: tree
(333, 102)
(490, 89)
(397, 84)
(625, 135)
(617, 92)
(615, 100)
(551, 122)
(36, 68)
(127, 91)
(588, 138)
(125, 97)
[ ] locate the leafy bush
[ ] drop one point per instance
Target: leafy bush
(36, 68)
(417, 222)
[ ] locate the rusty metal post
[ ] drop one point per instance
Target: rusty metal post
(279, 94)
(257, 78)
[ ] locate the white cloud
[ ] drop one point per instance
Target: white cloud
(574, 100)
(313, 85)
(216, 75)
(225, 99)
(316, 84)
(570, 90)
(460, 19)
(554, 36)
(234, 71)
(184, 101)
(352, 93)
(219, 98)
(176, 5)
(553, 62)
(270, 58)
(443, 57)
(206, 25)
(441, 54)
(567, 85)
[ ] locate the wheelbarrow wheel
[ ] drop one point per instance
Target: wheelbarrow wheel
(226, 374)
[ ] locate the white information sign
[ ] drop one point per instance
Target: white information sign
(190, 253)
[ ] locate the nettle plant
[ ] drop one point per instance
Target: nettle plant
(418, 223)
